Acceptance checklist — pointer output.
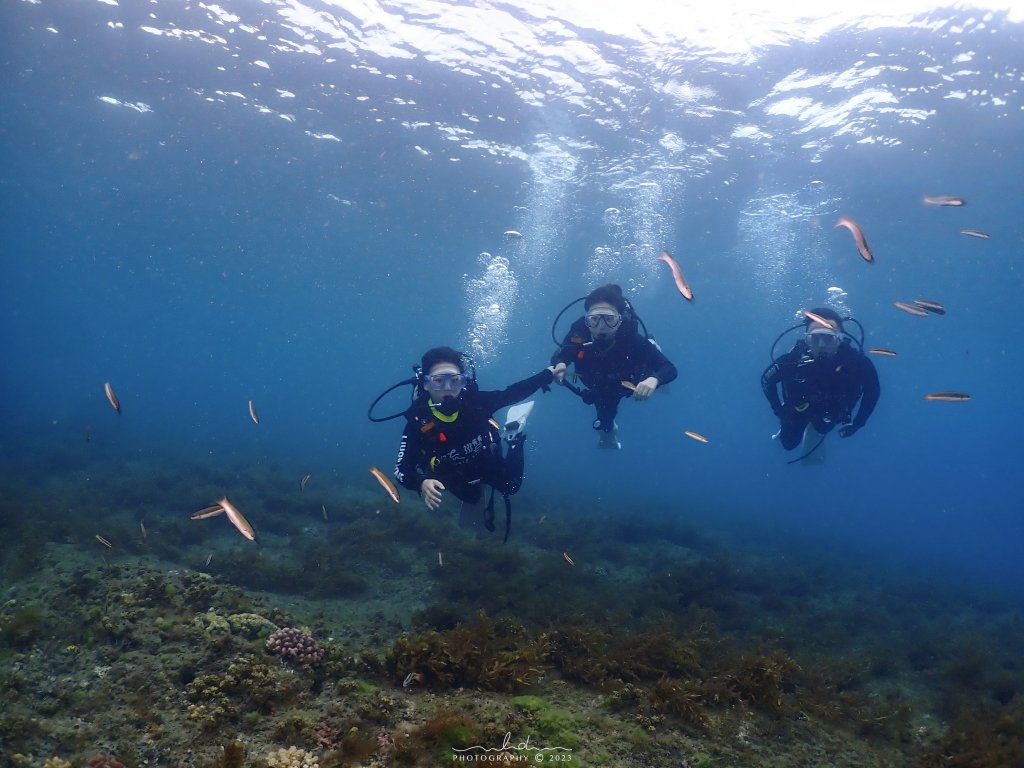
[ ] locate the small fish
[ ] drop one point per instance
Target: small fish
(882, 351)
(206, 512)
(209, 558)
(628, 385)
(413, 678)
(142, 527)
(323, 511)
(440, 558)
(696, 436)
(819, 319)
(237, 519)
(945, 200)
(112, 397)
(931, 306)
(512, 234)
(494, 424)
(858, 237)
(541, 519)
(252, 413)
(976, 233)
(948, 397)
(568, 558)
(910, 309)
(88, 433)
(303, 481)
(104, 542)
(385, 481)
(677, 275)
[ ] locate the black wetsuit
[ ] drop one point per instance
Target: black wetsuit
(821, 392)
(464, 453)
(602, 367)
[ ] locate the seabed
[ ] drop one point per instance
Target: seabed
(625, 641)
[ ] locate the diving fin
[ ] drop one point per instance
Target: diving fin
(515, 419)
(813, 446)
(610, 439)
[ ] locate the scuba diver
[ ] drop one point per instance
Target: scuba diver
(822, 379)
(611, 358)
(451, 443)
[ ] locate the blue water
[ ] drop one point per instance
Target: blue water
(290, 202)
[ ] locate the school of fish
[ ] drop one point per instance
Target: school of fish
(918, 308)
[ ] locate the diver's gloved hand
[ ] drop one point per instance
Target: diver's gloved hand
(645, 388)
(558, 372)
(431, 489)
(848, 431)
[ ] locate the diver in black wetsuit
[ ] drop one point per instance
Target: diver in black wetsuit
(822, 379)
(607, 349)
(450, 443)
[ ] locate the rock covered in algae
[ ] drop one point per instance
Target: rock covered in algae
(250, 625)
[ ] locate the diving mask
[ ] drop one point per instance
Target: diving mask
(594, 319)
(823, 341)
(446, 382)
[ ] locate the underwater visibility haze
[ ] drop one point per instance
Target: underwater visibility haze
(285, 203)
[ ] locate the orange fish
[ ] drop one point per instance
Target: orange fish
(819, 320)
(237, 520)
(112, 397)
(945, 200)
(677, 275)
(975, 233)
(206, 512)
(858, 237)
(910, 309)
(949, 397)
(696, 436)
(252, 413)
(386, 482)
(628, 385)
(882, 351)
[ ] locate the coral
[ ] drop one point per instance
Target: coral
(295, 645)
(293, 757)
(215, 628)
(56, 762)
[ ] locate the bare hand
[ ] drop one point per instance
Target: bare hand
(645, 388)
(558, 371)
(431, 492)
